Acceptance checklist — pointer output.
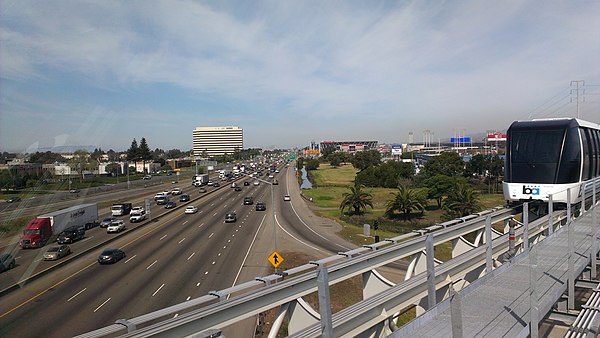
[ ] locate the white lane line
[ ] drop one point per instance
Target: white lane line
(206, 273)
(192, 255)
(308, 245)
(149, 266)
(77, 294)
(309, 228)
(189, 297)
(248, 252)
(175, 316)
(183, 239)
(214, 262)
(155, 292)
(184, 222)
(215, 214)
(163, 237)
(132, 257)
(200, 226)
(212, 205)
(85, 239)
(197, 285)
(225, 247)
(101, 305)
(219, 255)
(37, 260)
(211, 235)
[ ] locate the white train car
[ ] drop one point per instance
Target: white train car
(548, 156)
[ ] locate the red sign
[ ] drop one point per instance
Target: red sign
(496, 137)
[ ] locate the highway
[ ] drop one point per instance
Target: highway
(176, 258)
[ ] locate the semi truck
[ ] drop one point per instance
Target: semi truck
(120, 209)
(200, 180)
(44, 227)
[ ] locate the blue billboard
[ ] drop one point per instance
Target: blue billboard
(460, 139)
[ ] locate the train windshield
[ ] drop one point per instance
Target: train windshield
(543, 154)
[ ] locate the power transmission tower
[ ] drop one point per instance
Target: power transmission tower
(578, 84)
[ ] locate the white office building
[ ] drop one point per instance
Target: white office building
(216, 141)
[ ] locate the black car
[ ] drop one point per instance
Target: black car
(248, 200)
(230, 217)
(13, 199)
(110, 256)
(7, 262)
(260, 206)
(71, 234)
(237, 188)
(216, 184)
(246, 183)
(170, 205)
(184, 198)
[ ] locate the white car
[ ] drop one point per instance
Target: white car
(191, 210)
(137, 210)
(159, 195)
(138, 217)
(176, 191)
(116, 226)
(287, 198)
(256, 182)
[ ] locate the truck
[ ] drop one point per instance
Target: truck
(120, 209)
(45, 227)
(200, 180)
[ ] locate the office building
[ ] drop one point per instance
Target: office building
(217, 141)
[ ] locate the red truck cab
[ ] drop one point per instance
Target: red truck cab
(37, 233)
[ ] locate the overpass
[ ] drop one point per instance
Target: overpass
(511, 274)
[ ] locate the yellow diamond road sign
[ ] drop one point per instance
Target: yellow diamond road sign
(275, 259)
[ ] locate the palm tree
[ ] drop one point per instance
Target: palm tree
(462, 201)
(356, 199)
(406, 200)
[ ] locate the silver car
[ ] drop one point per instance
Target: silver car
(57, 252)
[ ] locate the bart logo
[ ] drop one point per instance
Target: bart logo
(531, 191)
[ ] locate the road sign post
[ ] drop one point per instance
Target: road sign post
(275, 259)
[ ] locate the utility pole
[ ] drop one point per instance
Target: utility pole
(578, 83)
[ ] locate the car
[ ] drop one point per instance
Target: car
(246, 183)
(174, 182)
(176, 191)
(137, 217)
(216, 184)
(107, 221)
(256, 182)
(7, 262)
(74, 191)
(202, 190)
(147, 177)
(162, 200)
(248, 200)
(71, 234)
(230, 217)
(210, 183)
(170, 205)
(260, 206)
(13, 199)
(56, 252)
(277, 171)
(159, 195)
(275, 182)
(116, 226)
(238, 188)
(184, 198)
(110, 256)
(137, 210)
(287, 198)
(271, 176)
(233, 185)
(191, 210)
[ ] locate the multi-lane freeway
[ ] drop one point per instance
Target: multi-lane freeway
(171, 259)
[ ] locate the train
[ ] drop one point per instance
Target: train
(548, 156)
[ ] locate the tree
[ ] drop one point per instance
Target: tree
(144, 153)
(335, 160)
(461, 201)
(113, 168)
(364, 159)
(439, 186)
(447, 163)
(356, 200)
(386, 175)
(311, 164)
(405, 201)
(133, 153)
(81, 162)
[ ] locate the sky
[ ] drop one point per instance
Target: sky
(102, 73)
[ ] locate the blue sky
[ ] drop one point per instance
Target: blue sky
(104, 72)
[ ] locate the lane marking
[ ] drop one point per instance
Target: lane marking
(247, 252)
(101, 305)
(77, 294)
(155, 292)
(162, 237)
(211, 235)
(189, 297)
(183, 239)
(215, 214)
(184, 222)
(197, 285)
(214, 262)
(149, 266)
(219, 255)
(132, 257)
(206, 273)
(192, 255)
(308, 245)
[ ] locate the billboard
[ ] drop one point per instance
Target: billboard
(460, 140)
(396, 149)
(496, 137)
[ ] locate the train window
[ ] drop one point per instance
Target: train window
(569, 170)
(534, 155)
(596, 138)
(587, 153)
